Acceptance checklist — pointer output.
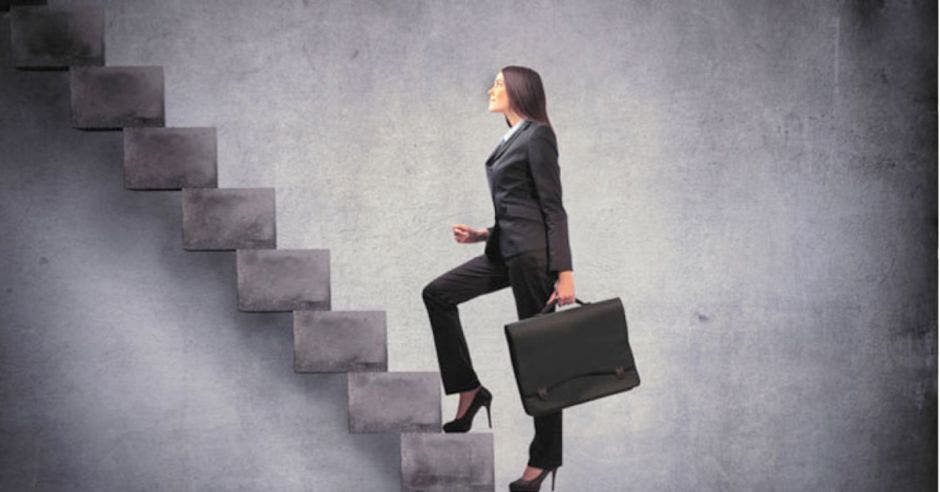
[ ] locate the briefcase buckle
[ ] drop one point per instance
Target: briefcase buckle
(543, 393)
(619, 372)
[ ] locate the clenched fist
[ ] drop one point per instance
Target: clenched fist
(466, 234)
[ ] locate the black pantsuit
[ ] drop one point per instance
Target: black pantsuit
(526, 248)
(532, 284)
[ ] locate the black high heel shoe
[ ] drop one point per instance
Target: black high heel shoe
(534, 484)
(482, 398)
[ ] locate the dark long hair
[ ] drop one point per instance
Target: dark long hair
(526, 94)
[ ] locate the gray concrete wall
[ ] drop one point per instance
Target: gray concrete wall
(755, 180)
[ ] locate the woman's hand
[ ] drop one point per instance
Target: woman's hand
(466, 234)
(564, 288)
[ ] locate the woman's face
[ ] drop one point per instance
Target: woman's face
(499, 100)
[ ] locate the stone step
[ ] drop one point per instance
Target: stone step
(228, 218)
(394, 401)
(57, 37)
(447, 462)
(340, 341)
(158, 158)
(283, 279)
(6, 4)
(115, 97)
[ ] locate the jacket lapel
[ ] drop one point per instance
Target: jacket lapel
(498, 151)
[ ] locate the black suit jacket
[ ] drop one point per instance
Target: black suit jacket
(525, 185)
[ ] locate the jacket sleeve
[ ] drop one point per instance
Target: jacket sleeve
(543, 164)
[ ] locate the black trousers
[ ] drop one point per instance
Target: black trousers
(532, 285)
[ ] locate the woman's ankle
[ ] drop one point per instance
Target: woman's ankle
(471, 391)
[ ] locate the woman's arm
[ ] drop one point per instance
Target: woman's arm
(543, 164)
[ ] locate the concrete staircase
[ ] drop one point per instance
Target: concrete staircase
(131, 99)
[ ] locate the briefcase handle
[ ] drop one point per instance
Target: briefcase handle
(549, 305)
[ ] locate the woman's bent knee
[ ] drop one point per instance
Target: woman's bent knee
(432, 293)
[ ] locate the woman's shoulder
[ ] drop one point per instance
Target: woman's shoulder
(539, 129)
(541, 134)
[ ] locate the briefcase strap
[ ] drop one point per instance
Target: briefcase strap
(543, 391)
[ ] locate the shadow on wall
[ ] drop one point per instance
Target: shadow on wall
(125, 359)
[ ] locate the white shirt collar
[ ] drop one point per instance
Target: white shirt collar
(513, 129)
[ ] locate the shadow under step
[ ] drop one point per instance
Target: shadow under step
(6, 4)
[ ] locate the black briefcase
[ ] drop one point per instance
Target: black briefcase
(571, 356)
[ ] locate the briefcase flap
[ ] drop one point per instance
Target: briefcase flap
(551, 349)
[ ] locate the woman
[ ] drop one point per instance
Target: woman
(527, 249)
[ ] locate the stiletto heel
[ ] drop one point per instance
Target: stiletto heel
(534, 484)
(463, 424)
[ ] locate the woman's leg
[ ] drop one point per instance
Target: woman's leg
(545, 448)
(473, 278)
(532, 286)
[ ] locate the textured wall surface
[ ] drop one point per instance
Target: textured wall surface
(755, 179)
(124, 363)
